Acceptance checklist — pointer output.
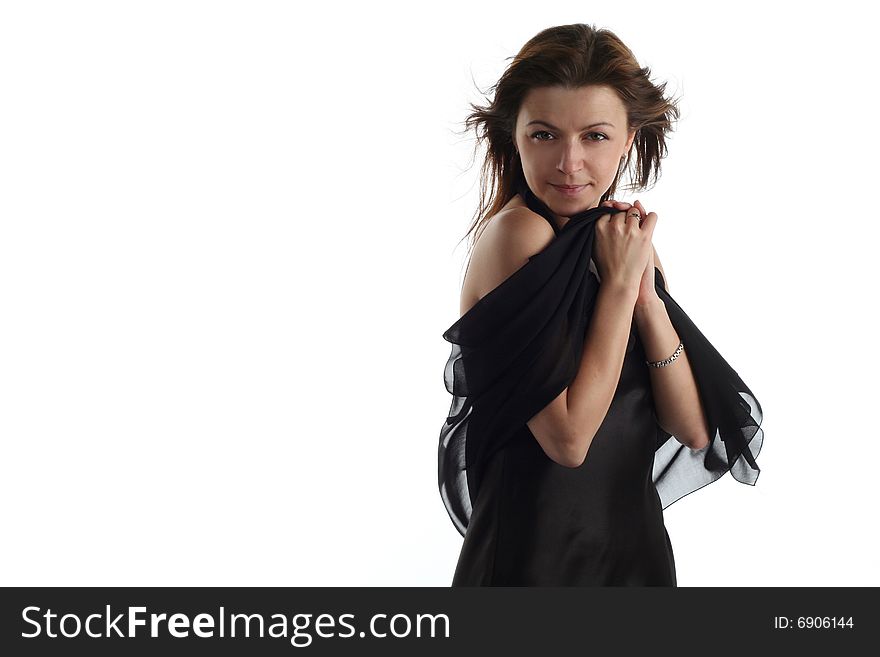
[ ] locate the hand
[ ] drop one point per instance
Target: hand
(647, 290)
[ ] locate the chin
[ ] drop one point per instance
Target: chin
(569, 206)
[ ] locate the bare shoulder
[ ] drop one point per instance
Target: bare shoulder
(510, 238)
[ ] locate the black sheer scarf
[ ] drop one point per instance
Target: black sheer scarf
(520, 346)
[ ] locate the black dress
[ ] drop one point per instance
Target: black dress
(538, 523)
(528, 521)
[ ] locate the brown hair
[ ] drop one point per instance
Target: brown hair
(569, 56)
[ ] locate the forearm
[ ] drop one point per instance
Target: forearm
(679, 410)
(590, 394)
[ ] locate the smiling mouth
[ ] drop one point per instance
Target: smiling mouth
(569, 190)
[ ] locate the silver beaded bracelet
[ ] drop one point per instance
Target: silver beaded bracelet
(664, 363)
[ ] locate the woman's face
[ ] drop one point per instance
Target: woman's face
(571, 137)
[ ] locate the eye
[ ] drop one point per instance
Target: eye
(592, 134)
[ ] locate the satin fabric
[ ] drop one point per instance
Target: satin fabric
(537, 523)
(514, 352)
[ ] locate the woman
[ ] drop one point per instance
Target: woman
(577, 415)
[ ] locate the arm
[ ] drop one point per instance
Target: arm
(589, 396)
(679, 410)
(565, 427)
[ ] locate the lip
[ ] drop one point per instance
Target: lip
(569, 190)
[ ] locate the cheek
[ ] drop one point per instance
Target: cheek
(607, 166)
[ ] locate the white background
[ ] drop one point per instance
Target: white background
(229, 249)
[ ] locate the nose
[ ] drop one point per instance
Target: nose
(571, 159)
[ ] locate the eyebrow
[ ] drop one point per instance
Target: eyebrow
(553, 127)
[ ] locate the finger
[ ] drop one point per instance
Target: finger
(620, 214)
(641, 208)
(619, 205)
(650, 222)
(633, 216)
